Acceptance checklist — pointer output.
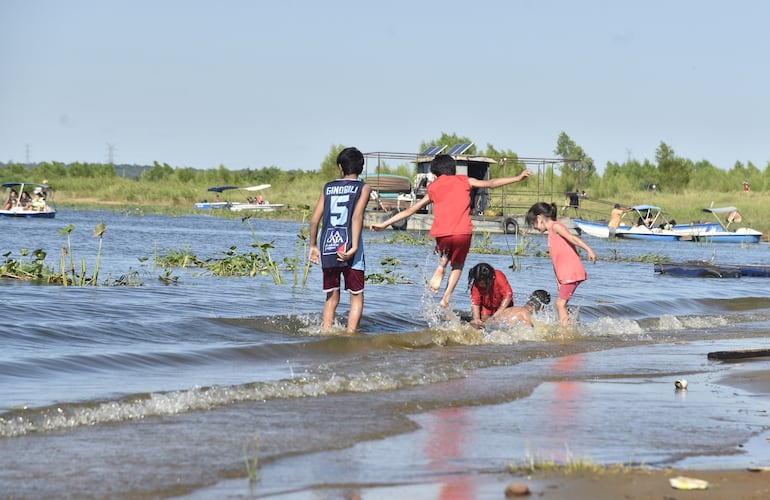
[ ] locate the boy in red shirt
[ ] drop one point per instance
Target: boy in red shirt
(452, 226)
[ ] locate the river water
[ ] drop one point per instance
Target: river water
(176, 386)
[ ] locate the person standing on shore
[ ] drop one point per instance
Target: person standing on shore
(562, 245)
(452, 226)
(340, 211)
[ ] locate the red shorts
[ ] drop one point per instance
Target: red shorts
(354, 279)
(454, 247)
(567, 289)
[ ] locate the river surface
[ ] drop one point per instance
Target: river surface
(175, 387)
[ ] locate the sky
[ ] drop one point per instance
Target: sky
(253, 84)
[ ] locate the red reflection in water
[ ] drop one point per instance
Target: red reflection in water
(447, 434)
(565, 410)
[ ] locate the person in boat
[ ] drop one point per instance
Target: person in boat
(515, 314)
(452, 226)
(617, 213)
(490, 293)
(38, 203)
(562, 245)
(13, 197)
(25, 201)
(340, 210)
(260, 200)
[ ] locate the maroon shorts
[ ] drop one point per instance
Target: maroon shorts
(454, 247)
(567, 289)
(354, 279)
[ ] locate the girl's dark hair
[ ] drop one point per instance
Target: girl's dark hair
(541, 208)
(481, 272)
(443, 165)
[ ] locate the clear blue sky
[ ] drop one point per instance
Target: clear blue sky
(249, 84)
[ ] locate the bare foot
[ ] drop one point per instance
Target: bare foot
(435, 281)
(444, 303)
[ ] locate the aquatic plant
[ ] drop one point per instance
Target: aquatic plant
(295, 263)
(388, 274)
(252, 464)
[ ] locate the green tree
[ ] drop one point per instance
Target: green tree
(674, 172)
(449, 140)
(577, 173)
(329, 170)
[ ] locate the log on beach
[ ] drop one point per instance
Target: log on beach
(739, 354)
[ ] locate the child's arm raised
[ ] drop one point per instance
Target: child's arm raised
(501, 181)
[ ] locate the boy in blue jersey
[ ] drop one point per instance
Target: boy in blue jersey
(340, 212)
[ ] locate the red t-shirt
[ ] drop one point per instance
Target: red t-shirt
(492, 298)
(451, 197)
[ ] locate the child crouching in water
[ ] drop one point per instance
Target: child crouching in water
(490, 293)
(562, 245)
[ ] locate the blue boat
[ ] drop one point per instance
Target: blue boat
(29, 200)
(725, 217)
(707, 269)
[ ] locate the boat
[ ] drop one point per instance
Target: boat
(217, 203)
(708, 269)
(18, 201)
(651, 225)
(256, 203)
(252, 204)
(721, 232)
(597, 229)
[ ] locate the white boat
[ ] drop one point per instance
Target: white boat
(597, 229)
(721, 233)
(256, 203)
(650, 225)
(18, 201)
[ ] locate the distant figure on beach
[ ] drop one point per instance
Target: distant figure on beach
(340, 211)
(515, 314)
(490, 293)
(562, 245)
(452, 226)
(615, 216)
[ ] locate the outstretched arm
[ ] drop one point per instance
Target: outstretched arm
(501, 181)
(403, 214)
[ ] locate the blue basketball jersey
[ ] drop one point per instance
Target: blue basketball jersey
(340, 199)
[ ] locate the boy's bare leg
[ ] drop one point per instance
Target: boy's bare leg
(356, 309)
(330, 307)
(438, 276)
(454, 278)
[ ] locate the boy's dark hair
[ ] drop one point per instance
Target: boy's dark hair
(539, 299)
(541, 208)
(443, 165)
(351, 160)
(481, 272)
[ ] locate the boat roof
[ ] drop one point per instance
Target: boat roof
(219, 189)
(256, 188)
(645, 207)
(720, 210)
(35, 184)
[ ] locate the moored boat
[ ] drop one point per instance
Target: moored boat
(721, 232)
(651, 225)
(18, 201)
